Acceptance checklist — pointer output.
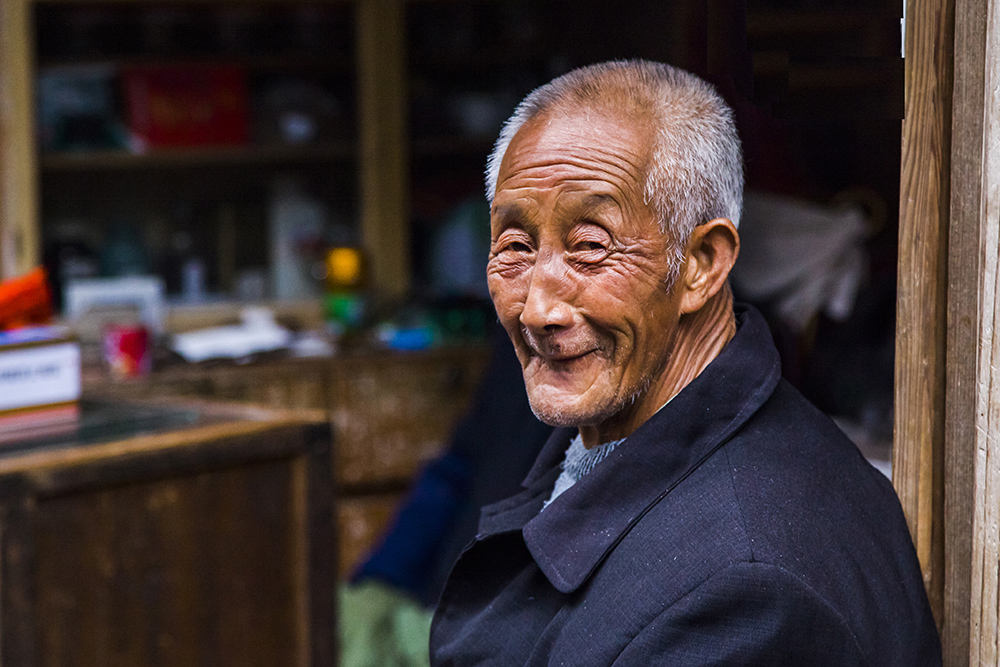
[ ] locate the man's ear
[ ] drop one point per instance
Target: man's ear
(711, 253)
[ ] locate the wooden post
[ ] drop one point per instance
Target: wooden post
(383, 168)
(965, 262)
(984, 631)
(20, 243)
(918, 452)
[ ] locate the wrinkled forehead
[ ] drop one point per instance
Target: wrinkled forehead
(605, 141)
(572, 166)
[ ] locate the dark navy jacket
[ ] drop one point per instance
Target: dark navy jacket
(738, 526)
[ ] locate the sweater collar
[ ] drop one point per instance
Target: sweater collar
(574, 534)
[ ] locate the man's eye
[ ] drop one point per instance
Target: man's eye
(512, 242)
(590, 243)
(589, 252)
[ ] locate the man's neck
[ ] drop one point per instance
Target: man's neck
(701, 336)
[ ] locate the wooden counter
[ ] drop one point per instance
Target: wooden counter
(168, 534)
(390, 412)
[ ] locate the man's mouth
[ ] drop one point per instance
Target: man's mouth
(556, 354)
(559, 355)
(563, 357)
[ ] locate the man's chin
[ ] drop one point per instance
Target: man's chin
(570, 410)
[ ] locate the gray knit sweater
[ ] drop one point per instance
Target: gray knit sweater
(578, 462)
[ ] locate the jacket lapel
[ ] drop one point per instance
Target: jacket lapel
(573, 535)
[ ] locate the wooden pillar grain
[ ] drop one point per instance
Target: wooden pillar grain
(985, 580)
(383, 169)
(20, 243)
(965, 262)
(918, 452)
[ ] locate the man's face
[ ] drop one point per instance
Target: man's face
(579, 270)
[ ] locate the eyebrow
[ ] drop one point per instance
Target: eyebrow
(513, 214)
(593, 202)
(507, 214)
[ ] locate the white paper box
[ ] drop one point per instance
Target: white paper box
(39, 375)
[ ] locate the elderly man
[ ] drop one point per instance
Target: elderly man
(694, 509)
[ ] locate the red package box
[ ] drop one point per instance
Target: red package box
(190, 105)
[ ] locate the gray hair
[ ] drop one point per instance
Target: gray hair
(695, 172)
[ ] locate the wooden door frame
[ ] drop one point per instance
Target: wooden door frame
(20, 245)
(946, 460)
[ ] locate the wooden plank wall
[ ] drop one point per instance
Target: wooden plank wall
(985, 634)
(918, 451)
(950, 205)
(20, 245)
(964, 266)
(383, 167)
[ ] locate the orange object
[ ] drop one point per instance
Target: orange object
(344, 268)
(25, 300)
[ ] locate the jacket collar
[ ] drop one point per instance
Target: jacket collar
(574, 534)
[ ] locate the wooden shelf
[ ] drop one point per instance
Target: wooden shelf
(205, 3)
(826, 75)
(111, 160)
(482, 60)
(797, 21)
(452, 146)
(279, 62)
(828, 33)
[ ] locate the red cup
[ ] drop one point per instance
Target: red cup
(127, 350)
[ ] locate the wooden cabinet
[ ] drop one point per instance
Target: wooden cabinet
(357, 171)
(169, 535)
(390, 412)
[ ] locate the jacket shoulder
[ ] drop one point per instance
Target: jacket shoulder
(747, 614)
(811, 505)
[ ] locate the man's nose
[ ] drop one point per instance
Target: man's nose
(546, 307)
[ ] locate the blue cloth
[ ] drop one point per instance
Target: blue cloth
(738, 527)
(419, 531)
(492, 448)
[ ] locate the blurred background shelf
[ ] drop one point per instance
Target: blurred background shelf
(235, 157)
(282, 62)
(451, 146)
(420, 89)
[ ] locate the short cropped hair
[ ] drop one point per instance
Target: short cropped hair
(695, 170)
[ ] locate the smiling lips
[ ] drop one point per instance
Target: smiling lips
(565, 359)
(550, 351)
